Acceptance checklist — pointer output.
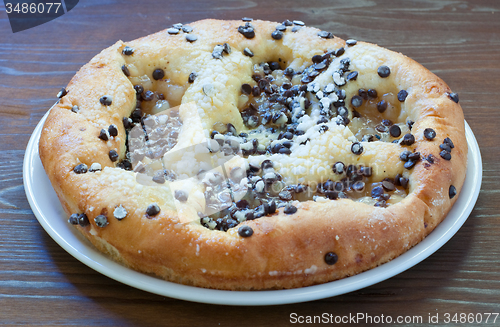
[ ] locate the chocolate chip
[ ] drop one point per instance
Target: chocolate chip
(445, 155)
(410, 123)
(290, 209)
(408, 139)
(356, 101)
(357, 148)
(281, 27)
(101, 221)
(404, 155)
(372, 93)
(112, 130)
(187, 29)
(75, 109)
(338, 167)
(113, 155)
(453, 97)
(73, 219)
(217, 52)
(403, 181)
(173, 30)
(325, 35)
(120, 212)
(351, 42)
(181, 195)
(266, 164)
(452, 192)
(445, 147)
(245, 231)
(395, 131)
(339, 52)
(299, 22)
(247, 19)
(125, 70)
(409, 164)
(414, 156)
(287, 22)
(192, 77)
(83, 220)
(382, 106)
(191, 38)
(80, 169)
(388, 186)
(449, 142)
(246, 89)
(158, 74)
(352, 76)
(138, 89)
(381, 203)
(152, 210)
(148, 95)
(128, 51)
(383, 71)
(103, 135)
(247, 52)
(402, 95)
(285, 195)
(358, 186)
(331, 258)
(429, 133)
(247, 31)
(106, 100)
(277, 35)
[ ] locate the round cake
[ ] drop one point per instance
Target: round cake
(249, 155)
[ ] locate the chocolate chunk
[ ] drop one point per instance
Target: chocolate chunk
(383, 71)
(80, 169)
(152, 210)
(101, 221)
(331, 258)
(158, 74)
(429, 133)
(245, 231)
(452, 192)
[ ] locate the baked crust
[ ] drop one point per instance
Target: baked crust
(285, 251)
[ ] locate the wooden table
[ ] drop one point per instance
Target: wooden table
(42, 284)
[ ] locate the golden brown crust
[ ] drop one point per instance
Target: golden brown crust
(285, 251)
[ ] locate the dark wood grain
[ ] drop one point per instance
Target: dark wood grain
(41, 284)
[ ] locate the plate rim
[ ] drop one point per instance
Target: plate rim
(151, 284)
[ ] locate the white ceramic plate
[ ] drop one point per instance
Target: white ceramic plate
(48, 210)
